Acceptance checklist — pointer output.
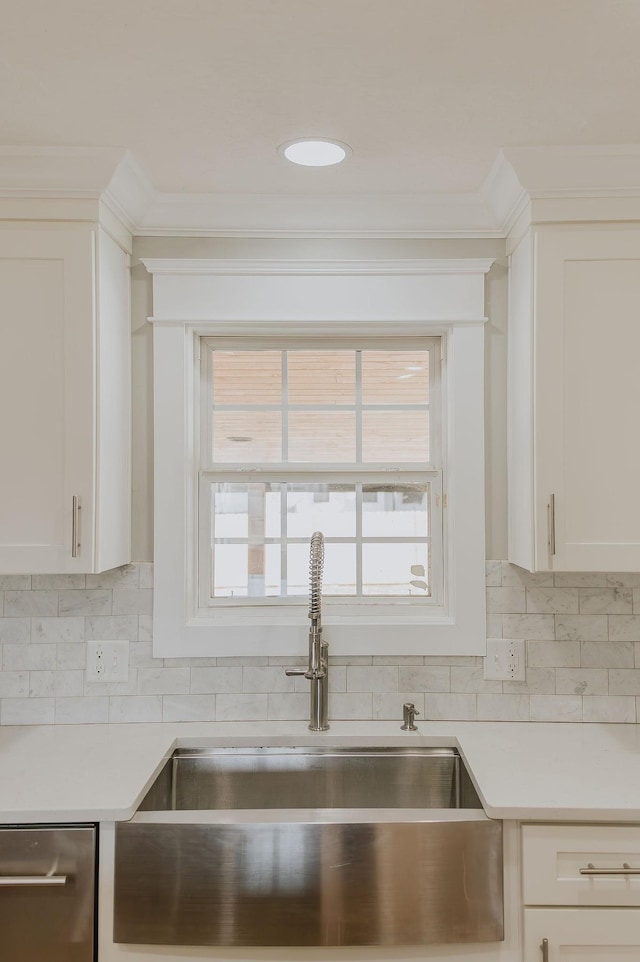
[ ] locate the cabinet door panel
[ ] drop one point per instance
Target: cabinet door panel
(587, 398)
(46, 398)
(32, 409)
(579, 935)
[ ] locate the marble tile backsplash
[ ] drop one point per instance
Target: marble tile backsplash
(582, 635)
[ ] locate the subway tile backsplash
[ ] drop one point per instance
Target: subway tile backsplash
(582, 634)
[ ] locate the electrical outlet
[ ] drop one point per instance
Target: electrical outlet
(504, 660)
(107, 661)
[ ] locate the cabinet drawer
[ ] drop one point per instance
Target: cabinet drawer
(554, 855)
(573, 935)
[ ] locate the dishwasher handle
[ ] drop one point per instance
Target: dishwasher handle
(40, 880)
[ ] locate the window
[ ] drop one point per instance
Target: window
(345, 438)
(340, 396)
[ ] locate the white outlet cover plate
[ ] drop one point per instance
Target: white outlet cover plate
(505, 660)
(107, 661)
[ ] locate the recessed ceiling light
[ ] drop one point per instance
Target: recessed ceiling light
(313, 152)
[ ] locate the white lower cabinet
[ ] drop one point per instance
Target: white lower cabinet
(581, 893)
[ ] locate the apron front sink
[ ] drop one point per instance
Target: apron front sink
(309, 847)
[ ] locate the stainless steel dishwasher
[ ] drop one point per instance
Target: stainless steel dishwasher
(47, 893)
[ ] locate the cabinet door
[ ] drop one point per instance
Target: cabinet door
(582, 935)
(47, 416)
(587, 399)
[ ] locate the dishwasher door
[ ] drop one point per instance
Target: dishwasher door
(47, 893)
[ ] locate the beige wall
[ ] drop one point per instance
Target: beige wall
(495, 352)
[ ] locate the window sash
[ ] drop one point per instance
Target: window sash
(434, 539)
(432, 345)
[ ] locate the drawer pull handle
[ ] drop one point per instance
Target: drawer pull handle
(625, 870)
(544, 948)
(33, 880)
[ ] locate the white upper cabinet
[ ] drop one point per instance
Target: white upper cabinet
(574, 400)
(64, 400)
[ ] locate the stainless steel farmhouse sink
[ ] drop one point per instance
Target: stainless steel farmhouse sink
(242, 778)
(309, 846)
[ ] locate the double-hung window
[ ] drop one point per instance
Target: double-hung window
(338, 435)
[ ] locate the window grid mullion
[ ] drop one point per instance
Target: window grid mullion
(285, 408)
(358, 407)
(372, 539)
(358, 539)
(284, 573)
(320, 407)
(302, 470)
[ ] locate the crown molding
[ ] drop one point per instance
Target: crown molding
(56, 180)
(557, 183)
(46, 172)
(576, 171)
(129, 192)
(504, 193)
(114, 177)
(317, 215)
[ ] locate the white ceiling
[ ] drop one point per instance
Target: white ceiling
(426, 92)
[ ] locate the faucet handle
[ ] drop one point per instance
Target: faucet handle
(295, 671)
(409, 712)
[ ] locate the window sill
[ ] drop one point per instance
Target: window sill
(231, 632)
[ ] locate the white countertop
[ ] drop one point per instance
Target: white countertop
(552, 772)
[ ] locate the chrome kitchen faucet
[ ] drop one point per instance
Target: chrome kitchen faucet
(318, 668)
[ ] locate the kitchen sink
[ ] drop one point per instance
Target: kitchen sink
(307, 846)
(268, 778)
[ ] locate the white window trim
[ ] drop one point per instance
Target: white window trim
(231, 298)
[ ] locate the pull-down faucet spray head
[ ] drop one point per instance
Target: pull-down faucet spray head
(316, 566)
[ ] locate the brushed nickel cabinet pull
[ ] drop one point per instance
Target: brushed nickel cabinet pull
(75, 527)
(544, 948)
(625, 870)
(23, 880)
(551, 522)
